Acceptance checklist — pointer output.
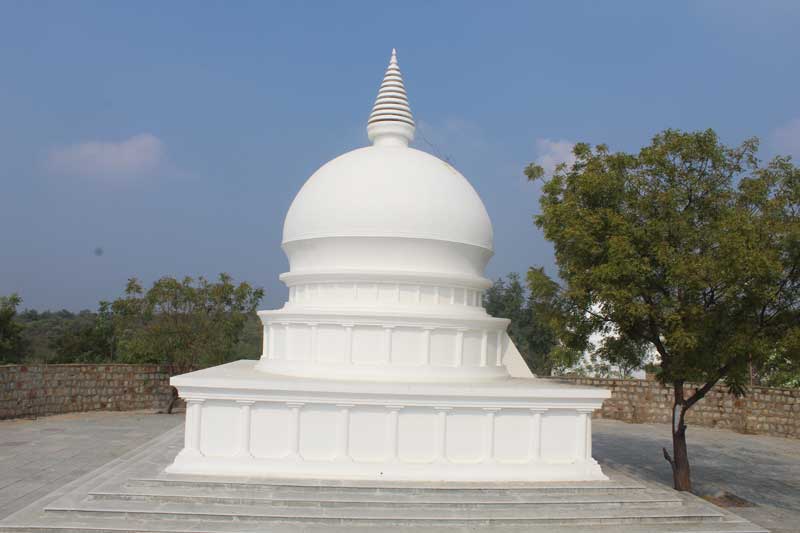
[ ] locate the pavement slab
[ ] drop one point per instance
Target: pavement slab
(39, 455)
(760, 469)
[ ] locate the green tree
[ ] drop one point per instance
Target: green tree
(42, 330)
(89, 338)
(690, 247)
(249, 345)
(534, 338)
(183, 323)
(782, 366)
(12, 345)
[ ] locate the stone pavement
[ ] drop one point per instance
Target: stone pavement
(38, 456)
(762, 470)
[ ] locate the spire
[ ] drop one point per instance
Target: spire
(391, 122)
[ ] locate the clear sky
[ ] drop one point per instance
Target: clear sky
(168, 138)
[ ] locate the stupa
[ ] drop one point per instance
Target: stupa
(383, 382)
(383, 364)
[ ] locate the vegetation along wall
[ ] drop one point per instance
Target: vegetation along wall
(763, 410)
(39, 390)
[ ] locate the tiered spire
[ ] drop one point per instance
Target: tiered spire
(391, 119)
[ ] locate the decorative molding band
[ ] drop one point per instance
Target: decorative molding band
(316, 348)
(383, 294)
(426, 318)
(392, 277)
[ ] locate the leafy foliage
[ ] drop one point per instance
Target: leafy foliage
(89, 339)
(185, 323)
(614, 356)
(249, 345)
(534, 338)
(782, 366)
(689, 246)
(66, 337)
(41, 329)
(11, 341)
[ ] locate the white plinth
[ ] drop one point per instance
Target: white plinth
(244, 422)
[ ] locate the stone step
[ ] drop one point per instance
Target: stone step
(50, 524)
(279, 487)
(207, 496)
(80, 506)
(381, 516)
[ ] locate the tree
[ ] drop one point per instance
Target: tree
(782, 366)
(533, 337)
(690, 247)
(250, 341)
(42, 331)
(183, 324)
(89, 338)
(12, 345)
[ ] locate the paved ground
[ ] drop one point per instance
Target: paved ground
(762, 470)
(38, 456)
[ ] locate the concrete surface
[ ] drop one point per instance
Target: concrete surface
(38, 456)
(762, 470)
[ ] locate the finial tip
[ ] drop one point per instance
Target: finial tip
(391, 121)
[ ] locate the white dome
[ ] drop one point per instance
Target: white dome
(389, 191)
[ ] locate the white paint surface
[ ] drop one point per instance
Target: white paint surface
(384, 364)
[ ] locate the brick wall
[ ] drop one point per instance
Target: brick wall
(38, 390)
(763, 410)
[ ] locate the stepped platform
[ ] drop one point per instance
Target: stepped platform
(133, 493)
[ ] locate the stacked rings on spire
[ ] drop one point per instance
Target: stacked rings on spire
(391, 105)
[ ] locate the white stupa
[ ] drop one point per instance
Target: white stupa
(383, 364)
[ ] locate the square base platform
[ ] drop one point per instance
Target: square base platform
(241, 421)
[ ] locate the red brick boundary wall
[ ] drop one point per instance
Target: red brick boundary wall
(39, 390)
(763, 410)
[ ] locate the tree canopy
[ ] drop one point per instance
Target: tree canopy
(535, 340)
(688, 246)
(187, 323)
(11, 341)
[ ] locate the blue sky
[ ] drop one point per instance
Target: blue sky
(174, 135)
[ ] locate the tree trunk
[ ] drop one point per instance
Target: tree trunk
(681, 473)
(172, 400)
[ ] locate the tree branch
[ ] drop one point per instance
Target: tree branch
(702, 391)
(668, 458)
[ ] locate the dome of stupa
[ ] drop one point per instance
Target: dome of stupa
(388, 191)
